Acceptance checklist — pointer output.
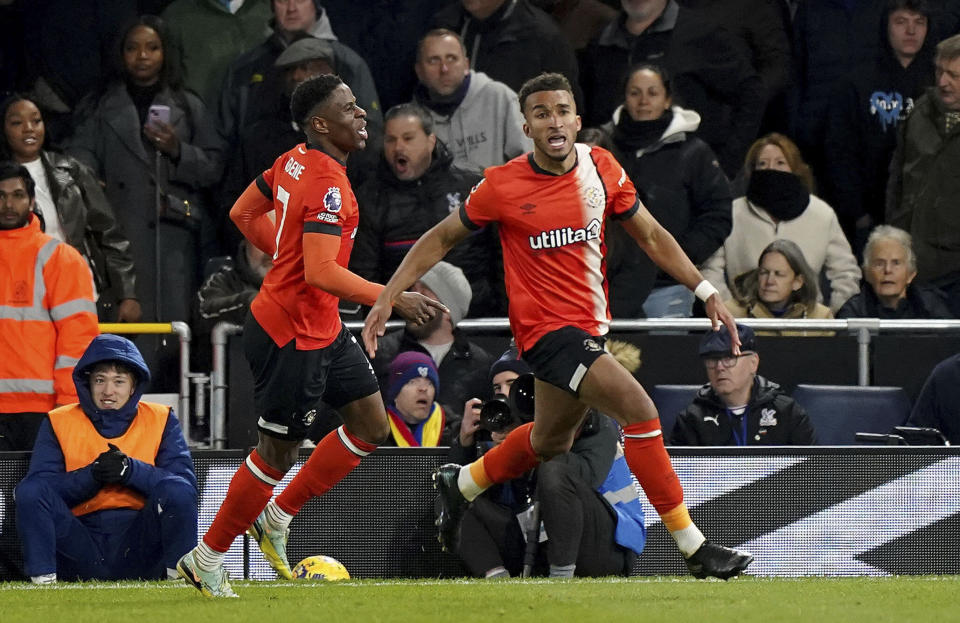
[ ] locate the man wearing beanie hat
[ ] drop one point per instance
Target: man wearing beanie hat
(416, 419)
(738, 407)
(462, 365)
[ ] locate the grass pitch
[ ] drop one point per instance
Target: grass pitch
(747, 599)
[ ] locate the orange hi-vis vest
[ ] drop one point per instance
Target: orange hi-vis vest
(47, 319)
(82, 444)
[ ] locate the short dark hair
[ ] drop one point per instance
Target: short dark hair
(120, 366)
(411, 109)
(10, 169)
(653, 67)
(439, 32)
(915, 6)
(543, 82)
(311, 93)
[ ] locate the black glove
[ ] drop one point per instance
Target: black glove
(111, 466)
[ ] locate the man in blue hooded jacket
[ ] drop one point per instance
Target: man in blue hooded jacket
(111, 492)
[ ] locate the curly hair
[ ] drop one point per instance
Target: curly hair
(311, 93)
(543, 82)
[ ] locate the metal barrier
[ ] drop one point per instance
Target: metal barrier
(863, 328)
(184, 335)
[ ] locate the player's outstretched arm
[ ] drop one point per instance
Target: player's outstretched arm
(428, 250)
(666, 253)
(251, 214)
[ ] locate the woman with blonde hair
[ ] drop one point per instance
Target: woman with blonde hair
(780, 204)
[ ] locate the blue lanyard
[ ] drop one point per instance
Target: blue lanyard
(739, 436)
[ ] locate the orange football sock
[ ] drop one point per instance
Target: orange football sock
(335, 456)
(513, 457)
(249, 491)
(648, 460)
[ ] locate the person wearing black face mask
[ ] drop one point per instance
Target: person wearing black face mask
(680, 181)
(780, 204)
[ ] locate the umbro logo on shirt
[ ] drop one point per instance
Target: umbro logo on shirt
(528, 209)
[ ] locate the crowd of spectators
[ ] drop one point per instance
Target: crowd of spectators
(770, 137)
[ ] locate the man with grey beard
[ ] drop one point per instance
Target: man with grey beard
(463, 365)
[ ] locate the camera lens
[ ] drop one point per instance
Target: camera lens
(495, 415)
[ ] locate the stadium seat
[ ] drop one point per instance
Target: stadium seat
(839, 412)
(670, 400)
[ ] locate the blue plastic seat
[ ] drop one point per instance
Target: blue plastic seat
(670, 400)
(839, 412)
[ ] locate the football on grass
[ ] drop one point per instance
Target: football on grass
(320, 568)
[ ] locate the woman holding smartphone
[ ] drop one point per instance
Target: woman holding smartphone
(157, 169)
(73, 207)
(156, 148)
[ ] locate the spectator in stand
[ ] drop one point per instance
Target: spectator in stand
(49, 315)
(779, 204)
(711, 71)
(477, 118)
(66, 49)
(111, 493)
(738, 407)
(416, 419)
(579, 20)
(889, 268)
(936, 406)
(135, 154)
(386, 37)
(763, 29)
(208, 35)
(835, 39)
(462, 365)
(250, 90)
(861, 131)
(271, 131)
(680, 182)
(510, 40)
(782, 286)
(923, 187)
(416, 186)
(74, 208)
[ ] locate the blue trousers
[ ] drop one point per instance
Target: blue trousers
(113, 544)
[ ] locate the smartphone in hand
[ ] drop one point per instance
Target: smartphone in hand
(158, 113)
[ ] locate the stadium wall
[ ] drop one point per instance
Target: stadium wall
(801, 511)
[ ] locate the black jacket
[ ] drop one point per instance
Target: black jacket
(861, 131)
(680, 181)
(773, 419)
(464, 372)
(711, 71)
(922, 301)
(516, 43)
(395, 213)
(225, 295)
(90, 226)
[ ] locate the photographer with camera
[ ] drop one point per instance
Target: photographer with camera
(573, 503)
